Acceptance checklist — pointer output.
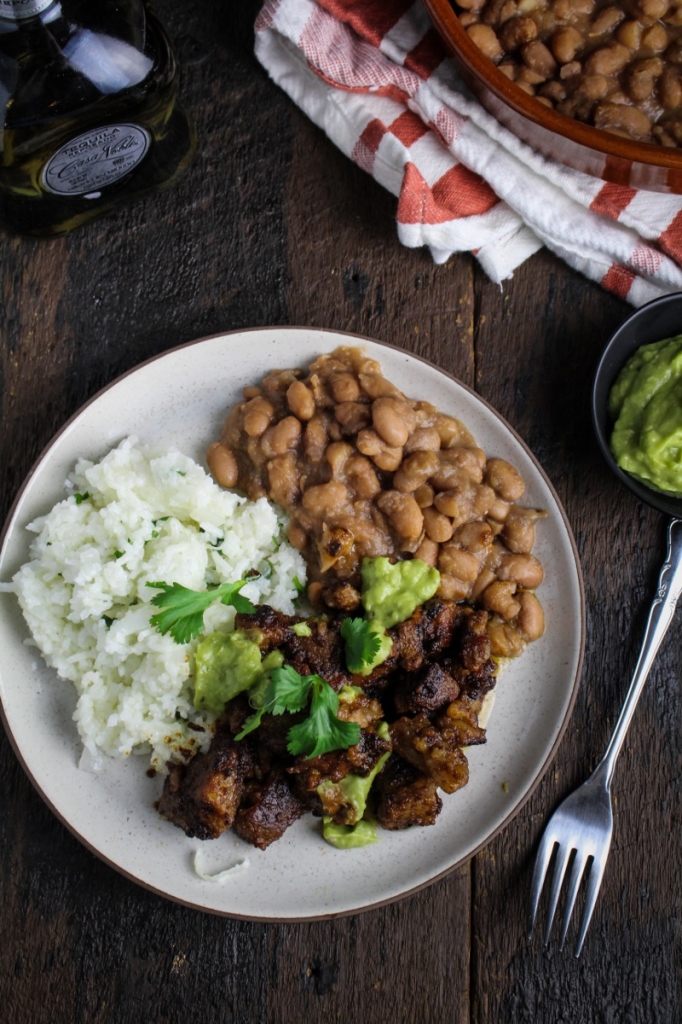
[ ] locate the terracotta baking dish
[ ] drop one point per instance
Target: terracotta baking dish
(638, 164)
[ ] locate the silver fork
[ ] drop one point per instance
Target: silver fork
(582, 825)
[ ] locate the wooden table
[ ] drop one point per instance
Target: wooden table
(272, 225)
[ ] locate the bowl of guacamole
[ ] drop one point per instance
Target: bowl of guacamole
(637, 403)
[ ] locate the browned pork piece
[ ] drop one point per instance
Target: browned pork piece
(405, 797)
(429, 690)
(321, 653)
(202, 797)
(332, 767)
(267, 810)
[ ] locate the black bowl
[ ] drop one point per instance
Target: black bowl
(659, 319)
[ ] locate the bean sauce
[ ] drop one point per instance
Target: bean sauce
(364, 471)
(617, 66)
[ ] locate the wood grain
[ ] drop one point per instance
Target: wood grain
(272, 225)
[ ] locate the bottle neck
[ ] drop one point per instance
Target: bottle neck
(20, 10)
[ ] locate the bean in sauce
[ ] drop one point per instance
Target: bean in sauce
(364, 471)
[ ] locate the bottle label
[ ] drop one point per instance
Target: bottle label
(15, 10)
(95, 159)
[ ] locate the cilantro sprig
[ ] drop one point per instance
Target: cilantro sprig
(182, 609)
(322, 730)
(362, 643)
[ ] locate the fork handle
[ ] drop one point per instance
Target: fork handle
(660, 617)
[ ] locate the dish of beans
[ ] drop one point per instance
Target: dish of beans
(617, 66)
(364, 471)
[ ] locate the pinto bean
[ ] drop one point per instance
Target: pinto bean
(516, 32)
(457, 562)
(393, 420)
(655, 38)
(337, 455)
(539, 59)
(641, 77)
(452, 589)
(258, 414)
(617, 116)
(415, 471)
(421, 440)
(482, 581)
(298, 537)
(375, 385)
(315, 439)
(483, 36)
(353, 417)
(630, 34)
(475, 537)
(469, 459)
(454, 503)
(606, 21)
(518, 532)
(608, 60)
(504, 479)
(362, 477)
(523, 569)
(381, 454)
(670, 88)
(403, 512)
(424, 496)
(223, 464)
(345, 388)
(283, 480)
(428, 552)
(531, 618)
(505, 640)
(300, 400)
(438, 527)
(499, 598)
(451, 431)
(565, 43)
(325, 499)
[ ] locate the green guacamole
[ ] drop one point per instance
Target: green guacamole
(355, 790)
(390, 593)
(228, 663)
(646, 404)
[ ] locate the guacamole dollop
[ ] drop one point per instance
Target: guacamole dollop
(391, 592)
(355, 790)
(646, 404)
(227, 664)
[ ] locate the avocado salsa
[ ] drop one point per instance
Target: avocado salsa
(646, 405)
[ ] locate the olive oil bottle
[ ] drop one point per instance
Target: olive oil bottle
(88, 91)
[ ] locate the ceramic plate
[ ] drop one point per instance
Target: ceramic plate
(179, 399)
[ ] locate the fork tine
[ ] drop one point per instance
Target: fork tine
(577, 869)
(542, 859)
(560, 865)
(593, 884)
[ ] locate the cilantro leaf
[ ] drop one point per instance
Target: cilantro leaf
(251, 723)
(300, 587)
(288, 691)
(322, 731)
(80, 498)
(182, 609)
(362, 643)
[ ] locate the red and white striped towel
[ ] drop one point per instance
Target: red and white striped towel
(374, 75)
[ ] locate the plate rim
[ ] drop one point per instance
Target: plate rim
(8, 523)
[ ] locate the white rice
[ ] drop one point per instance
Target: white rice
(146, 518)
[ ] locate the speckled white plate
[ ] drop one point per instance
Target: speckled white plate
(179, 399)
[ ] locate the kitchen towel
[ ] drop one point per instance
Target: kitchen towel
(375, 76)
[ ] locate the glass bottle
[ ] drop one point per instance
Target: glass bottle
(91, 119)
